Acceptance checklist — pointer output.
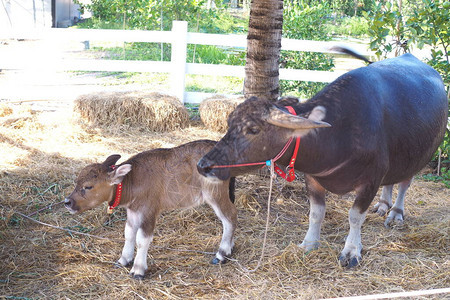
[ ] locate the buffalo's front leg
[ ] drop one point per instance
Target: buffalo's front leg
(316, 214)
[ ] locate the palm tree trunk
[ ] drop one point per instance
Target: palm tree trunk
(263, 49)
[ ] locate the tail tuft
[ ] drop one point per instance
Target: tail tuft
(348, 51)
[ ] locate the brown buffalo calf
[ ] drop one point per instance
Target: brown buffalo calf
(152, 182)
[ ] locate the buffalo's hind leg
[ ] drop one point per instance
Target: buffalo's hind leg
(385, 202)
(351, 254)
(396, 213)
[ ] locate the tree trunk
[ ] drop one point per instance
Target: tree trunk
(263, 49)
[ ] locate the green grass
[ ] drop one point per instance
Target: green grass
(444, 177)
(214, 84)
(348, 26)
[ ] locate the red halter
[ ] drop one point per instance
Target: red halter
(290, 176)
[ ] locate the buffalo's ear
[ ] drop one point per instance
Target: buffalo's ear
(300, 125)
(110, 161)
(119, 173)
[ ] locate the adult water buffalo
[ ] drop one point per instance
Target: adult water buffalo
(387, 119)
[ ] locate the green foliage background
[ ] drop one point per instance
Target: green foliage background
(395, 28)
(392, 28)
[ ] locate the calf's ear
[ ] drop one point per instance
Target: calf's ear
(300, 125)
(111, 160)
(119, 173)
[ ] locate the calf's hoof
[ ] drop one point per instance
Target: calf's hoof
(348, 261)
(119, 265)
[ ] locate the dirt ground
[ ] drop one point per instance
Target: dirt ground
(41, 154)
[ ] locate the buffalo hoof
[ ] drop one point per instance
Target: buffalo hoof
(216, 261)
(349, 261)
(381, 208)
(394, 218)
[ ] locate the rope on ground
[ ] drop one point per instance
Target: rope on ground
(272, 176)
(396, 295)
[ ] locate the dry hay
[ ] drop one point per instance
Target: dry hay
(150, 111)
(214, 111)
(5, 110)
(40, 159)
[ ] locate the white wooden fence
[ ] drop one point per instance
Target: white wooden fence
(179, 38)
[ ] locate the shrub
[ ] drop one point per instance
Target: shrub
(305, 21)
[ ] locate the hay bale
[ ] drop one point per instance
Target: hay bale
(150, 111)
(5, 110)
(214, 111)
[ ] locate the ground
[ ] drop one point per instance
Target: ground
(41, 154)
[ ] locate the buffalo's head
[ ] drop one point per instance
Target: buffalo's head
(95, 185)
(257, 131)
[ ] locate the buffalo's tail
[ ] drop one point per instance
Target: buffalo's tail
(350, 52)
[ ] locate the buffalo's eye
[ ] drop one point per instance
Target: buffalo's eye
(88, 187)
(253, 130)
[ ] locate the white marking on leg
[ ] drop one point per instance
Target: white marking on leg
(396, 213)
(134, 220)
(316, 216)
(385, 202)
(227, 242)
(353, 245)
(140, 261)
(128, 248)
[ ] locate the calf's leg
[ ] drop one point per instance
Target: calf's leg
(134, 221)
(143, 240)
(128, 248)
(139, 233)
(227, 213)
(316, 214)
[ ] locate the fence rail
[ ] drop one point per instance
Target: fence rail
(178, 37)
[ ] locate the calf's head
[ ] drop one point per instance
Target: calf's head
(95, 184)
(257, 130)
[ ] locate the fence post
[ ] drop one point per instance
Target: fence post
(178, 58)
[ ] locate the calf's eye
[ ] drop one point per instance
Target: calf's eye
(88, 187)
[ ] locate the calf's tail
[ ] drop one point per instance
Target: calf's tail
(231, 188)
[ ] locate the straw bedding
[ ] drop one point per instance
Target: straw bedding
(41, 157)
(149, 111)
(214, 111)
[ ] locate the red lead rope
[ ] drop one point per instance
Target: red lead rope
(290, 176)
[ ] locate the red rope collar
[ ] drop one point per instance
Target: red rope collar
(118, 196)
(290, 176)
